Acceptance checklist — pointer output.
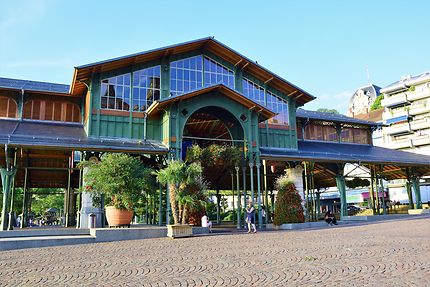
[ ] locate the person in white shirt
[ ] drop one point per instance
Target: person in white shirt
(206, 222)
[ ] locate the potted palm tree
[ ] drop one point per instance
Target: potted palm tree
(181, 179)
(123, 180)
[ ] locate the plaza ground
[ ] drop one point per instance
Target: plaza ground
(390, 253)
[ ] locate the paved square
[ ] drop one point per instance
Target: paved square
(394, 253)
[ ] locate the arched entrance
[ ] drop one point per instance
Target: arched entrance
(209, 126)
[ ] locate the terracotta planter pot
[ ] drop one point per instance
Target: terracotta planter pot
(118, 217)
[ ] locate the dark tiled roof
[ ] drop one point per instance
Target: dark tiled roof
(344, 152)
(16, 84)
(373, 116)
(67, 136)
(301, 113)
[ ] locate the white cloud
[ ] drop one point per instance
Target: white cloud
(336, 100)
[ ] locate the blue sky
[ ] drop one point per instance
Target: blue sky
(323, 47)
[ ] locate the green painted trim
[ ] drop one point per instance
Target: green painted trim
(416, 185)
(340, 183)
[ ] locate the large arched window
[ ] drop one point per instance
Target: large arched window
(8, 108)
(52, 111)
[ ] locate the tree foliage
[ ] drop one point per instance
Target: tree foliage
(357, 182)
(331, 111)
(377, 103)
(215, 155)
(121, 177)
(288, 206)
(186, 187)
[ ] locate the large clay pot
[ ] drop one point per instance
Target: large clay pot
(118, 217)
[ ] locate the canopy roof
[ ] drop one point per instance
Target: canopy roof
(220, 88)
(68, 136)
(346, 152)
(331, 117)
(83, 73)
(34, 86)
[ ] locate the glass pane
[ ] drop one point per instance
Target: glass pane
(120, 80)
(127, 79)
(104, 90)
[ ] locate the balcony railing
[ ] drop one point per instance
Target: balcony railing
(420, 124)
(412, 96)
(394, 100)
(404, 128)
(389, 114)
(416, 109)
(421, 140)
(398, 144)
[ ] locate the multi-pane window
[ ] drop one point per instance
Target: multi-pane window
(267, 99)
(48, 110)
(215, 73)
(321, 133)
(115, 93)
(146, 87)
(279, 106)
(186, 75)
(355, 135)
(253, 91)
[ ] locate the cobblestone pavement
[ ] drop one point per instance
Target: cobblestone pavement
(380, 254)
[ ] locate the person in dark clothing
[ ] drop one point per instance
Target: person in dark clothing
(250, 211)
(330, 218)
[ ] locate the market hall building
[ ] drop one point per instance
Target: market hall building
(157, 103)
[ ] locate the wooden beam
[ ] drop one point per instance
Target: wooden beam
(271, 78)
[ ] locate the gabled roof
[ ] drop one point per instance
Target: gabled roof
(330, 117)
(34, 86)
(83, 73)
(220, 88)
(68, 136)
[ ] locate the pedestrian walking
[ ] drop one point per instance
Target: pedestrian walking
(250, 212)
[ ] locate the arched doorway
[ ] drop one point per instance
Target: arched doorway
(208, 126)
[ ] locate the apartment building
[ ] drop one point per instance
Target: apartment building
(407, 115)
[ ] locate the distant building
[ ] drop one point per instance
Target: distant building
(362, 99)
(407, 113)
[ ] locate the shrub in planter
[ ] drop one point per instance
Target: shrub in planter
(288, 205)
(123, 180)
(185, 184)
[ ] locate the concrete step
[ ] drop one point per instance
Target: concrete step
(33, 232)
(22, 242)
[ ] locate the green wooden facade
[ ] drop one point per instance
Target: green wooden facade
(169, 125)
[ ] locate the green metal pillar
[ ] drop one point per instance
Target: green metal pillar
(24, 200)
(244, 191)
(307, 218)
(416, 186)
(239, 208)
(160, 206)
(381, 188)
(251, 175)
(260, 214)
(12, 200)
(372, 190)
(318, 203)
(340, 182)
(168, 205)
(7, 177)
(266, 192)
